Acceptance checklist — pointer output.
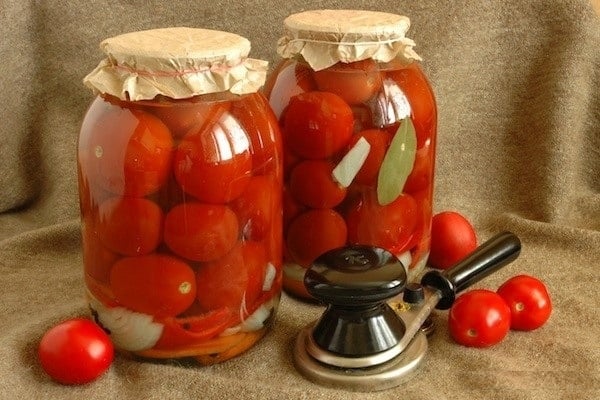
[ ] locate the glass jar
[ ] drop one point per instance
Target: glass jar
(180, 174)
(358, 120)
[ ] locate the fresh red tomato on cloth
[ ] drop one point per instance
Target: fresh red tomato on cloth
(75, 352)
(529, 302)
(479, 318)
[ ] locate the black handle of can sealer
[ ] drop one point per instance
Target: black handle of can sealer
(492, 255)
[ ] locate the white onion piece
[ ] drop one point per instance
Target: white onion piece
(346, 170)
(129, 330)
(255, 321)
(270, 274)
(405, 258)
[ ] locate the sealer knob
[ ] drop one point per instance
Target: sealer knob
(355, 282)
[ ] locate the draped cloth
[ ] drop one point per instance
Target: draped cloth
(517, 86)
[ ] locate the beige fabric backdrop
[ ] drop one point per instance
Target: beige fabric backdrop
(517, 84)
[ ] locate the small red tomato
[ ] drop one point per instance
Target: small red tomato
(234, 281)
(214, 164)
(125, 151)
(154, 284)
(390, 226)
(354, 82)
(422, 173)
(314, 232)
(184, 116)
(130, 225)
(292, 78)
(479, 318)
(257, 206)
(317, 125)
(201, 232)
(311, 183)
(415, 86)
(529, 302)
(452, 239)
(255, 117)
(75, 352)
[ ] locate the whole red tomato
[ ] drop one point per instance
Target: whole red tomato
(185, 116)
(389, 226)
(154, 284)
(257, 207)
(317, 125)
(214, 164)
(130, 225)
(354, 82)
(314, 232)
(124, 151)
(529, 302)
(75, 352)
(452, 239)
(312, 184)
(234, 281)
(479, 318)
(201, 232)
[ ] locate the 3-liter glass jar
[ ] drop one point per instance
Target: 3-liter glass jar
(180, 182)
(358, 120)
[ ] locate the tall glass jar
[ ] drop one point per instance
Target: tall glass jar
(359, 121)
(180, 175)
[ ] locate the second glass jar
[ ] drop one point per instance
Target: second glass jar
(359, 137)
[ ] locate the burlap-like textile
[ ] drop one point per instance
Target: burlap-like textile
(517, 84)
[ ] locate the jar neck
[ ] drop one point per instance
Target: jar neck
(161, 99)
(392, 65)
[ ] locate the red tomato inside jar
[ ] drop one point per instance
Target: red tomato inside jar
(358, 119)
(180, 182)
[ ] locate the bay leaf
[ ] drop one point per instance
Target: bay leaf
(397, 163)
